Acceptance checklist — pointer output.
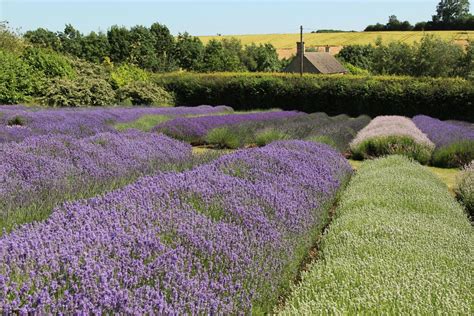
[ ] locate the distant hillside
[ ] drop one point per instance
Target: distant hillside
(285, 43)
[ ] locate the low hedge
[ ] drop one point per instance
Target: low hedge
(353, 95)
(399, 245)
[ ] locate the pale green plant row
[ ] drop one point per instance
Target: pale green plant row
(399, 244)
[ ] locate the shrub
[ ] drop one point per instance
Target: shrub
(465, 188)
(454, 155)
(223, 137)
(352, 95)
(388, 135)
(78, 92)
(145, 93)
(126, 74)
(195, 129)
(324, 140)
(268, 135)
(454, 140)
(49, 63)
(43, 171)
(399, 245)
(17, 80)
(216, 236)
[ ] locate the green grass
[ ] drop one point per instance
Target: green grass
(144, 123)
(399, 244)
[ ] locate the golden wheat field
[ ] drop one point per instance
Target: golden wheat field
(285, 43)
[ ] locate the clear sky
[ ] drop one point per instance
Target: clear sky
(212, 17)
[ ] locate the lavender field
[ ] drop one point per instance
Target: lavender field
(113, 211)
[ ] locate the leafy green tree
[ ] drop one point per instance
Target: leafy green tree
(360, 56)
(119, 43)
(188, 52)
(263, 57)
(437, 58)
(219, 58)
(164, 43)
(95, 47)
(43, 38)
(449, 11)
(71, 40)
(396, 58)
(142, 50)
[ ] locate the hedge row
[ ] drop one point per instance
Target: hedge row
(400, 244)
(353, 95)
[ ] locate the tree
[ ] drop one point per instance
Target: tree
(449, 11)
(164, 45)
(71, 41)
(43, 38)
(219, 58)
(95, 47)
(142, 48)
(261, 58)
(119, 43)
(188, 51)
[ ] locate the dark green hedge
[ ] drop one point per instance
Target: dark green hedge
(353, 95)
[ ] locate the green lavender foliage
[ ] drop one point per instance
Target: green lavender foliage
(399, 244)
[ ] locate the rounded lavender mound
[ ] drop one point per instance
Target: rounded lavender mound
(392, 134)
(454, 140)
(194, 129)
(223, 238)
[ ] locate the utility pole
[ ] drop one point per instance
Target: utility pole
(301, 51)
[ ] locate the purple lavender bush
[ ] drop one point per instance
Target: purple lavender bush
(17, 123)
(223, 238)
(454, 140)
(195, 129)
(43, 170)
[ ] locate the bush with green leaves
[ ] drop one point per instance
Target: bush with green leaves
(465, 188)
(48, 62)
(126, 74)
(80, 91)
(17, 79)
(399, 245)
(268, 135)
(223, 137)
(144, 93)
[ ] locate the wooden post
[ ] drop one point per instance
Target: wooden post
(301, 51)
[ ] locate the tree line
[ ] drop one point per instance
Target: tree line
(155, 49)
(431, 57)
(450, 15)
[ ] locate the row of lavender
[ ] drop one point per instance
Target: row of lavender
(223, 238)
(426, 139)
(41, 171)
(18, 122)
(195, 129)
(261, 128)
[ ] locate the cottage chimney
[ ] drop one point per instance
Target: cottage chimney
(299, 48)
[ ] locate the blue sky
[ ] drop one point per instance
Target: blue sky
(212, 17)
